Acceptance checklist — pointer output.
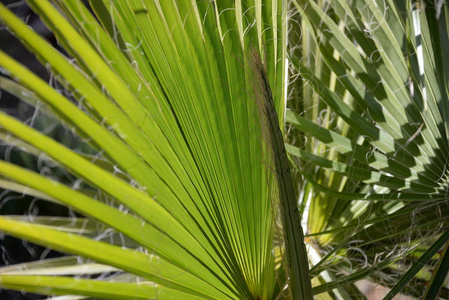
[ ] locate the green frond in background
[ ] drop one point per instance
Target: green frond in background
(371, 110)
(181, 182)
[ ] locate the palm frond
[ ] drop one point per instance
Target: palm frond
(164, 93)
(376, 157)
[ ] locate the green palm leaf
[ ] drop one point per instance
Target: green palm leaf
(165, 94)
(377, 156)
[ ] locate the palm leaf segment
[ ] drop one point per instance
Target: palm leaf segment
(374, 111)
(165, 91)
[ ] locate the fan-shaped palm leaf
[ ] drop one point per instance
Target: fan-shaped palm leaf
(376, 153)
(167, 94)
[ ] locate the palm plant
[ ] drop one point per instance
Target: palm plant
(182, 185)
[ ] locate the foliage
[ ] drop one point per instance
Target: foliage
(373, 111)
(181, 185)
